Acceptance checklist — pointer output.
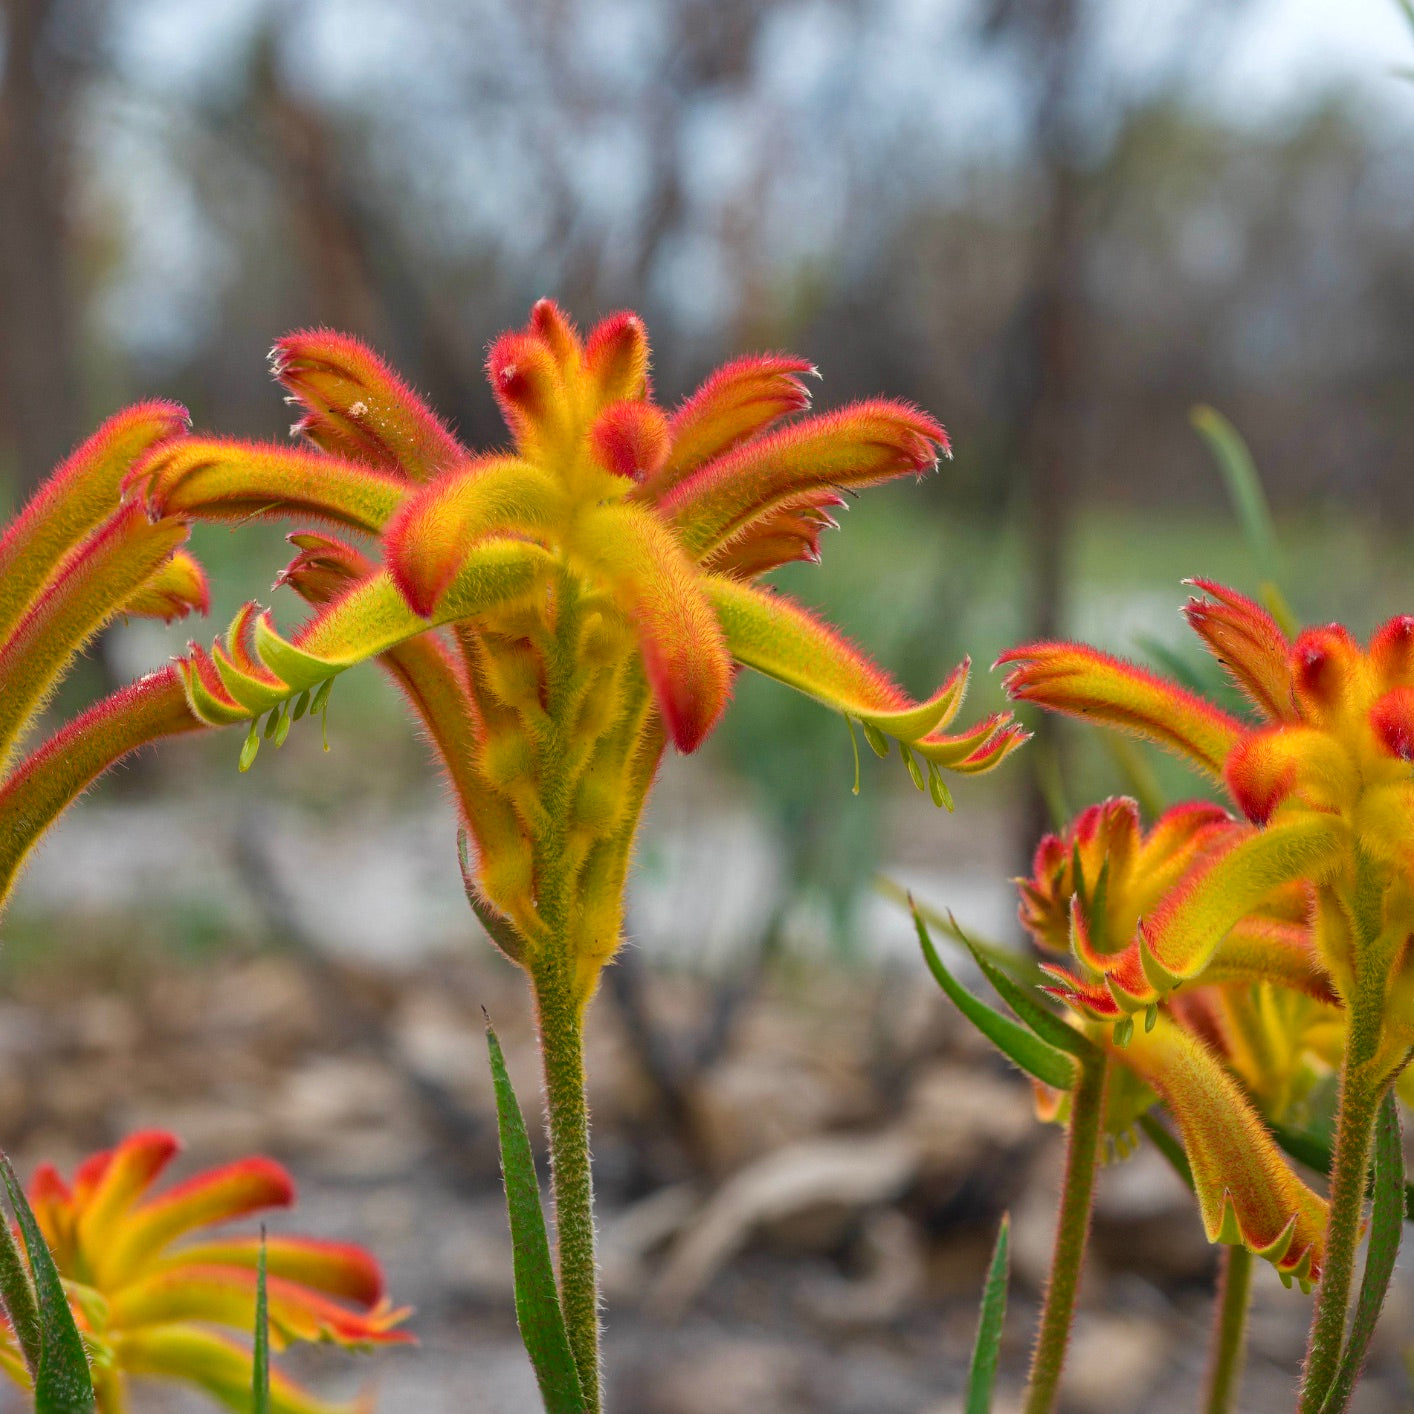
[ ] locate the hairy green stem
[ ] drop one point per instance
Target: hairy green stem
(1350, 1166)
(1087, 1105)
(567, 1120)
(1363, 1082)
(1229, 1331)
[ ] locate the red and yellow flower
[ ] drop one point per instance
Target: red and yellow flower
(595, 584)
(1326, 778)
(150, 1290)
(1089, 891)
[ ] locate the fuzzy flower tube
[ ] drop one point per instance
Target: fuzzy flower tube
(557, 614)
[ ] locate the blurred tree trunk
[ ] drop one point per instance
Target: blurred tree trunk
(1046, 411)
(39, 384)
(362, 279)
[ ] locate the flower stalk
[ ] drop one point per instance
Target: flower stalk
(560, 1020)
(1072, 1235)
(1229, 1331)
(1350, 1167)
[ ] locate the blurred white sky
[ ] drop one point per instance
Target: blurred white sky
(898, 89)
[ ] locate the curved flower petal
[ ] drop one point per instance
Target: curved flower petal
(1249, 643)
(108, 1188)
(684, 652)
(368, 620)
(1178, 940)
(1268, 766)
(1178, 839)
(217, 1365)
(178, 586)
(223, 478)
(94, 582)
(616, 358)
(82, 493)
(226, 1296)
(335, 1268)
(1247, 1191)
(325, 567)
(772, 634)
(55, 775)
(1392, 651)
(1327, 673)
(791, 532)
(738, 401)
(1258, 949)
(428, 540)
(357, 407)
(214, 1196)
(1083, 682)
(630, 439)
(859, 445)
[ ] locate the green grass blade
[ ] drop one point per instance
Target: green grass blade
(1249, 501)
(1046, 1024)
(17, 1298)
(542, 1323)
(62, 1384)
(1033, 1055)
(260, 1365)
(1386, 1228)
(1019, 966)
(986, 1353)
(1138, 773)
(1181, 668)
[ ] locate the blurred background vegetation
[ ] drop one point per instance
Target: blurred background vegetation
(1055, 225)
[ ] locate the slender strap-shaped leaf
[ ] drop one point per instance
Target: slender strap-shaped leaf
(982, 1373)
(542, 1323)
(260, 1362)
(1017, 965)
(1386, 1228)
(1249, 501)
(1034, 1056)
(17, 1298)
(62, 1384)
(1046, 1024)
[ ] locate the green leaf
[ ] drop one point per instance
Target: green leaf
(260, 1365)
(1017, 965)
(542, 1322)
(1138, 773)
(17, 1298)
(1386, 1228)
(982, 1373)
(1034, 1056)
(62, 1384)
(1046, 1024)
(1249, 501)
(1170, 1148)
